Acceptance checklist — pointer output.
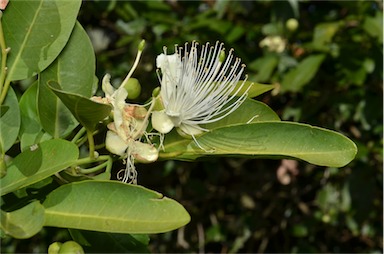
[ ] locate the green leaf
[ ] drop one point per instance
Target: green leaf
(31, 131)
(74, 69)
(324, 33)
(3, 110)
(264, 67)
(374, 25)
(36, 31)
(250, 111)
(269, 139)
(9, 122)
(103, 242)
(25, 222)
(255, 90)
(296, 78)
(38, 163)
(110, 206)
(86, 111)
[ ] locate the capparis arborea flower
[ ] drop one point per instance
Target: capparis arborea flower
(198, 86)
(129, 124)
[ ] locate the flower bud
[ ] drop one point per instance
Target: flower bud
(145, 153)
(133, 88)
(54, 248)
(71, 247)
(292, 24)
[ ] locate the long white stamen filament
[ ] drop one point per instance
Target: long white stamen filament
(200, 86)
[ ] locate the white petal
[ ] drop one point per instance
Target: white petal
(108, 89)
(189, 130)
(161, 122)
(115, 144)
(144, 153)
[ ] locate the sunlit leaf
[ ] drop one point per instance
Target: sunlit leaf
(295, 79)
(111, 206)
(74, 69)
(9, 122)
(86, 111)
(31, 131)
(24, 222)
(37, 163)
(255, 90)
(268, 139)
(36, 31)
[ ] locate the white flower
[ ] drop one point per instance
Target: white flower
(128, 126)
(197, 87)
(273, 43)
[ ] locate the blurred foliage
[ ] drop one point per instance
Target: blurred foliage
(328, 68)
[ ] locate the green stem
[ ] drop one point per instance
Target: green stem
(3, 72)
(89, 160)
(96, 168)
(78, 135)
(91, 143)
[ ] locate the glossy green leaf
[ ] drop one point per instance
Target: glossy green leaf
(74, 69)
(255, 90)
(36, 31)
(268, 139)
(9, 122)
(111, 206)
(250, 111)
(31, 131)
(24, 222)
(86, 111)
(296, 78)
(37, 163)
(103, 242)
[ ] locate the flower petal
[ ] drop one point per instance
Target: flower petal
(144, 153)
(115, 144)
(161, 122)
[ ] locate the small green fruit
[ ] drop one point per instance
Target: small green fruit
(71, 247)
(133, 88)
(292, 24)
(54, 248)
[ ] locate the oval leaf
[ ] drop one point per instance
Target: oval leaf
(296, 78)
(75, 70)
(9, 122)
(86, 111)
(111, 206)
(255, 90)
(31, 131)
(37, 163)
(36, 31)
(267, 139)
(25, 222)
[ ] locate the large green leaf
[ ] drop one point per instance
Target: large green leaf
(103, 242)
(74, 69)
(252, 88)
(25, 222)
(9, 122)
(250, 111)
(36, 31)
(31, 131)
(37, 163)
(86, 111)
(111, 206)
(296, 78)
(268, 139)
